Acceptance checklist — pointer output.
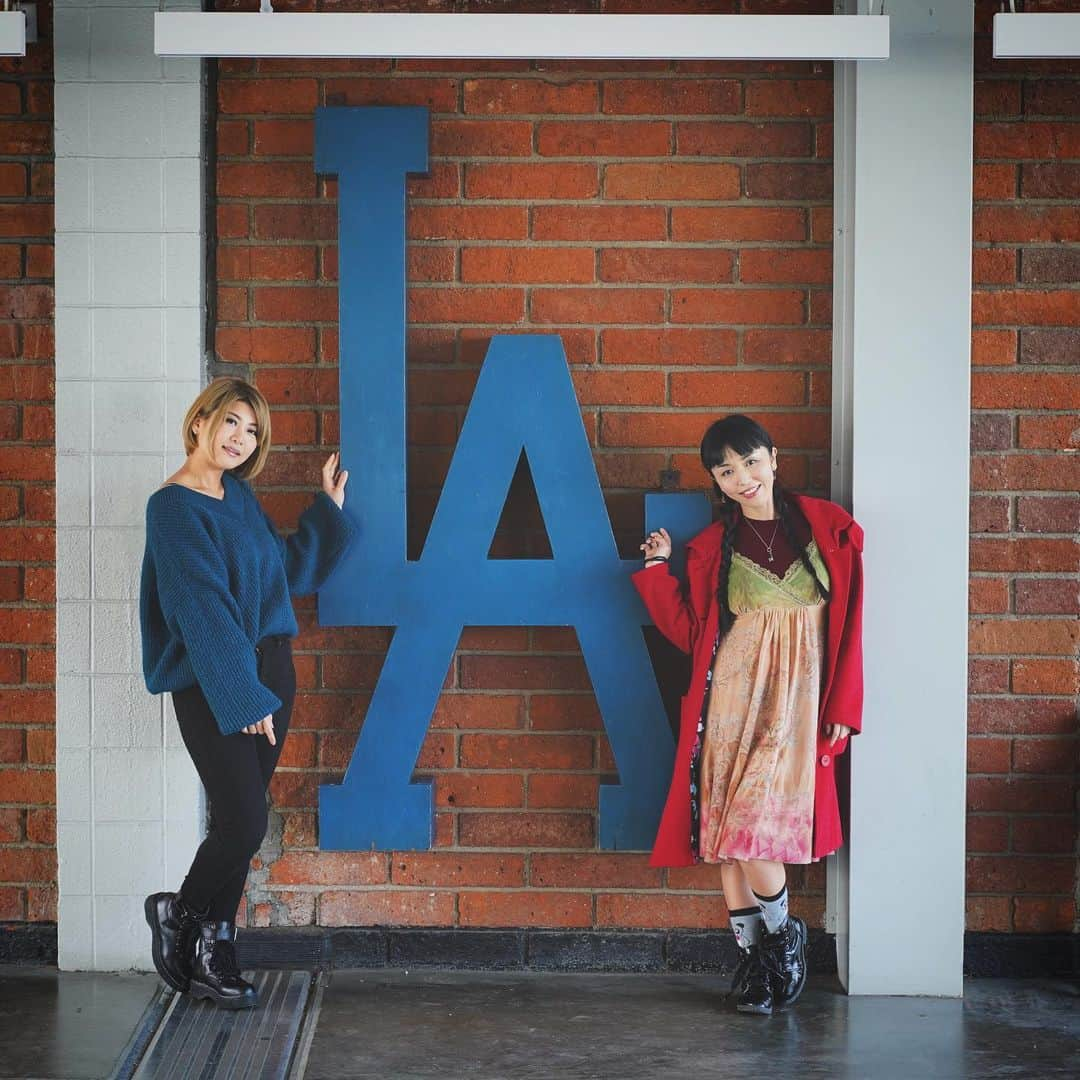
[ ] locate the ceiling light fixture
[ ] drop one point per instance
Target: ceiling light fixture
(1037, 36)
(12, 33)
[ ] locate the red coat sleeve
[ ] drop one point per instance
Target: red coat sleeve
(846, 699)
(668, 605)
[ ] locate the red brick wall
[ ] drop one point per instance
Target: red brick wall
(27, 515)
(673, 224)
(1025, 511)
(636, 366)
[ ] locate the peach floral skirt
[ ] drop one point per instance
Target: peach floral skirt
(760, 742)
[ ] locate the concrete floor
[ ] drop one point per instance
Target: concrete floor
(70, 1026)
(624, 1027)
(483, 1026)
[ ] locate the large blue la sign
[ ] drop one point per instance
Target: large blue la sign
(524, 401)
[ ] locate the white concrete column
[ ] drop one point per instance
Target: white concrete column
(129, 359)
(911, 311)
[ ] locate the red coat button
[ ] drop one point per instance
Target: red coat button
(825, 759)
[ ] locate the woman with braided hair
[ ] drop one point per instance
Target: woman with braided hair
(771, 614)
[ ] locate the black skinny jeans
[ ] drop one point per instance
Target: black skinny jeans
(236, 771)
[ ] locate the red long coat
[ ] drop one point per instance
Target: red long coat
(689, 618)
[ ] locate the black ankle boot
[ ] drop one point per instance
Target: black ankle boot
(742, 972)
(756, 992)
(786, 951)
(172, 926)
(215, 973)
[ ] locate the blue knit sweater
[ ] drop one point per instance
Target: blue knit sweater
(216, 578)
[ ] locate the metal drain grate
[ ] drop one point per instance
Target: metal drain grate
(198, 1040)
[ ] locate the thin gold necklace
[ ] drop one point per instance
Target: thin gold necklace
(767, 544)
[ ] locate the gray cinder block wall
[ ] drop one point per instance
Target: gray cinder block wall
(129, 359)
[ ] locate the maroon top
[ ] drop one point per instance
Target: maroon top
(770, 534)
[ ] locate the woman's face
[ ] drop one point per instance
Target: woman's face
(235, 439)
(748, 480)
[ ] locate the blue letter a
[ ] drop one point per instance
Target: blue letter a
(524, 401)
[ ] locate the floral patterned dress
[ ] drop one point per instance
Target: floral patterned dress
(758, 738)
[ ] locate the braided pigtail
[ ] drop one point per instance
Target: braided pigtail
(787, 523)
(730, 518)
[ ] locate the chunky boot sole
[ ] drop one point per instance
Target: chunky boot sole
(222, 1001)
(150, 910)
(755, 1010)
(800, 929)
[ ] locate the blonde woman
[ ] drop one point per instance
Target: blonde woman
(217, 625)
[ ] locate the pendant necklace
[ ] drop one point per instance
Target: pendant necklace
(767, 544)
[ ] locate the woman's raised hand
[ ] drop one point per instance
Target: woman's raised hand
(657, 545)
(333, 480)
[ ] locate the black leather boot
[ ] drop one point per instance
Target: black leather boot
(172, 927)
(786, 957)
(215, 973)
(742, 971)
(756, 992)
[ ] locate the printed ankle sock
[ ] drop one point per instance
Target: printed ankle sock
(747, 925)
(774, 909)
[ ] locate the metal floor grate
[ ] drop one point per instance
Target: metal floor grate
(198, 1040)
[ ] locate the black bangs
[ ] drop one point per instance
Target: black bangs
(736, 432)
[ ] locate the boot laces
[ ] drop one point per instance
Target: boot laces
(772, 957)
(184, 937)
(223, 959)
(759, 977)
(742, 970)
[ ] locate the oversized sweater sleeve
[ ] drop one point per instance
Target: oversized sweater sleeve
(193, 592)
(668, 604)
(312, 552)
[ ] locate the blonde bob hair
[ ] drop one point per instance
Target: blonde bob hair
(213, 405)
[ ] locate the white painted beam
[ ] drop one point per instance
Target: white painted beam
(1041, 36)
(12, 33)
(634, 37)
(911, 399)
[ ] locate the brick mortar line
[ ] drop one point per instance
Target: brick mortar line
(538, 328)
(441, 243)
(479, 692)
(528, 770)
(587, 202)
(564, 79)
(463, 115)
(1002, 616)
(666, 368)
(552, 286)
(1012, 695)
(1033, 855)
(535, 157)
(450, 854)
